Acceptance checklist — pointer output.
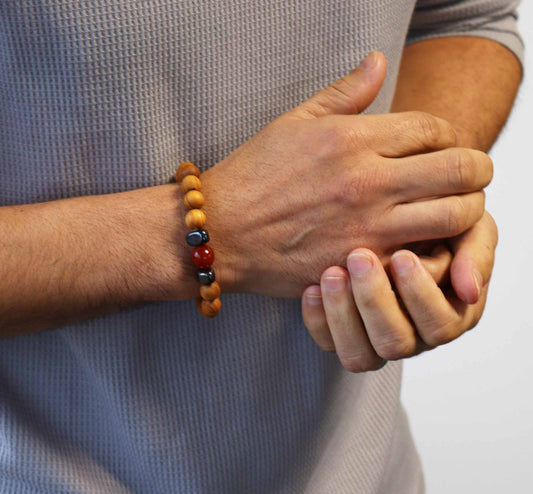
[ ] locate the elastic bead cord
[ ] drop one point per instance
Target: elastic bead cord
(202, 256)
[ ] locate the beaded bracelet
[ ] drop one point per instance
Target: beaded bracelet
(202, 256)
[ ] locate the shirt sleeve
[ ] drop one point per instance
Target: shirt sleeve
(492, 19)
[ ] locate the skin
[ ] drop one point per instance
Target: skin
(73, 259)
(64, 261)
(420, 302)
(362, 183)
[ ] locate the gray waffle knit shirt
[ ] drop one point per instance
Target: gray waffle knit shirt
(100, 97)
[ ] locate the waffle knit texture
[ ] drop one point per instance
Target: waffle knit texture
(101, 97)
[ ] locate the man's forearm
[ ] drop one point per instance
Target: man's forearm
(64, 261)
(471, 82)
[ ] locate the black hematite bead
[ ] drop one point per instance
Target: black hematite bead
(197, 237)
(206, 276)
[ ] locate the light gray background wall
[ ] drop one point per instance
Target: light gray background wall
(471, 402)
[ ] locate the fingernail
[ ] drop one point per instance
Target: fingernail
(335, 283)
(370, 61)
(359, 263)
(403, 263)
(478, 280)
(313, 299)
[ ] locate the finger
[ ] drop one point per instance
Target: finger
(314, 318)
(437, 321)
(403, 134)
(451, 171)
(436, 218)
(438, 263)
(473, 260)
(388, 328)
(351, 94)
(351, 341)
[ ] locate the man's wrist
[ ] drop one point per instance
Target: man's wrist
(175, 275)
(230, 262)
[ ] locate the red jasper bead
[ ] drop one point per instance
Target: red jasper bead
(202, 256)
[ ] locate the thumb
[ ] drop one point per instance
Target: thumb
(351, 94)
(474, 252)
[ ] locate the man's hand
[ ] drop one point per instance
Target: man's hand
(358, 314)
(470, 82)
(320, 180)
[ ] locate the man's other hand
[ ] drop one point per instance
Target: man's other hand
(366, 319)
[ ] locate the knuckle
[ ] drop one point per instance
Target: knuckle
(395, 347)
(325, 346)
(474, 207)
(428, 127)
(441, 334)
(319, 332)
(454, 218)
(351, 186)
(367, 300)
(475, 319)
(493, 228)
(341, 88)
(312, 108)
(460, 169)
(350, 138)
(339, 91)
(359, 185)
(313, 325)
(360, 362)
(448, 133)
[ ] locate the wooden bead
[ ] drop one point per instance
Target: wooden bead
(209, 308)
(195, 219)
(190, 182)
(186, 168)
(193, 199)
(210, 292)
